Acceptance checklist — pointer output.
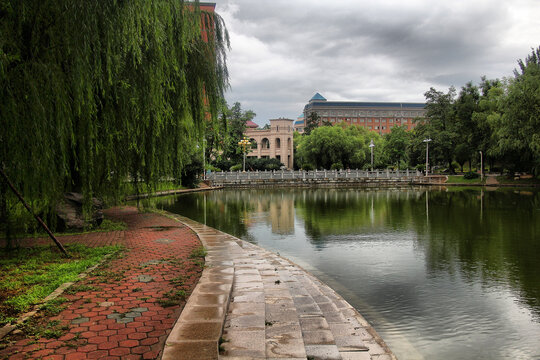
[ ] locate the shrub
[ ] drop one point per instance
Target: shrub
(254, 164)
(223, 164)
(470, 175)
(336, 166)
(237, 167)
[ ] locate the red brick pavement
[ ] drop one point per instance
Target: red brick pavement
(119, 315)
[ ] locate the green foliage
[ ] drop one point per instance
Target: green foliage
(470, 175)
(325, 146)
(395, 145)
(312, 122)
(441, 125)
(223, 164)
(93, 93)
(518, 130)
(192, 170)
(30, 274)
(235, 120)
(254, 164)
(199, 252)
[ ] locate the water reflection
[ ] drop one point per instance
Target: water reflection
(455, 271)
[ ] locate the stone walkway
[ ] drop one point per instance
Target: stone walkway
(126, 308)
(249, 303)
(268, 307)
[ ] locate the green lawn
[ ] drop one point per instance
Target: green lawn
(28, 275)
(458, 179)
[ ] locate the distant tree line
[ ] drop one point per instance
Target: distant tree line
(500, 118)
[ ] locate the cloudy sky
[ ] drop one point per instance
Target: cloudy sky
(284, 51)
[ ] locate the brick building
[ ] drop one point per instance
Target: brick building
(376, 116)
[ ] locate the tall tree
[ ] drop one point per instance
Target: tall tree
(91, 92)
(466, 104)
(486, 117)
(312, 122)
(518, 130)
(236, 127)
(395, 146)
(440, 124)
(336, 146)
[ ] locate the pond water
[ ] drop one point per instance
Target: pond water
(440, 274)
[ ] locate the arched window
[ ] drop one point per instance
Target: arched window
(278, 143)
(253, 143)
(265, 143)
(289, 144)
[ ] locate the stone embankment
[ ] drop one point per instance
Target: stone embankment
(253, 304)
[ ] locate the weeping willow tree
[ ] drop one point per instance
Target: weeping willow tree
(93, 93)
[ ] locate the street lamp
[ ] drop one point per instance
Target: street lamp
(481, 166)
(371, 145)
(427, 154)
(244, 144)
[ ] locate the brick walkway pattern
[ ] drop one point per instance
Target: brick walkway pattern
(120, 312)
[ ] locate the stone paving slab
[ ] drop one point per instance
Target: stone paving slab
(274, 309)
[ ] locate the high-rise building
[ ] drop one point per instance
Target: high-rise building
(380, 117)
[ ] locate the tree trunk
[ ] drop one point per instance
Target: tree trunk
(4, 215)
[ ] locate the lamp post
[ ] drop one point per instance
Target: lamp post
(427, 155)
(371, 145)
(481, 166)
(244, 143)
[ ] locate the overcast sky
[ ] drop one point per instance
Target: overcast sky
(284, 51)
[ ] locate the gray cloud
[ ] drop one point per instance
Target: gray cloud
(285, 51)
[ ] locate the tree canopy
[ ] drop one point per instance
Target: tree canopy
(92, 93)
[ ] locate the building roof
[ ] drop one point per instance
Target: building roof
(251, 124)
(368, 104)
(318, 97)
(299, 122)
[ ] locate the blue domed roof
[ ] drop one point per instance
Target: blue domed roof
(318, 97)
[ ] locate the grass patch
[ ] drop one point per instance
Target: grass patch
(54, 306)
(512, 181)
(172, 298)
(199, 252)
(458, 179)
(51, 330)
(73, 289)
(28, 275)
(112, 225)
